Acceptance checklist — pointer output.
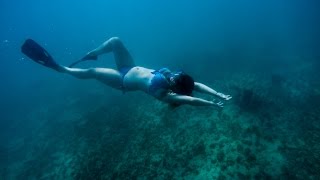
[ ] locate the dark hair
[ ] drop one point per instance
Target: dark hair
(183, 84)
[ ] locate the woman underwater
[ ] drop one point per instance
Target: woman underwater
(174, 88)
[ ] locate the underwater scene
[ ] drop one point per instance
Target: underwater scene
(264, 54)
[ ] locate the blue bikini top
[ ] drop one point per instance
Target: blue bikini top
(161, 81)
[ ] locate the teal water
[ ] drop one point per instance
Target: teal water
(265, 54)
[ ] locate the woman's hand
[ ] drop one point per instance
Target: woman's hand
(223, 96)
(217, 103)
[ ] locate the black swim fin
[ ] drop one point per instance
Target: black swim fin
(85, 58)
(38, 54)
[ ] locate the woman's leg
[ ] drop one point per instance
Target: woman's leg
(107, 76)
(121, 54)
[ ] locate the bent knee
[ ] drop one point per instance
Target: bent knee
(116, 42)
(115, 38)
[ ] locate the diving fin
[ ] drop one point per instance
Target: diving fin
(38, 54)
(85, 58)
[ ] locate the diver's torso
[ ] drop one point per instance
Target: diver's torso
(138, 78)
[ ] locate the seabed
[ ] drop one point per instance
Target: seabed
(269, 130)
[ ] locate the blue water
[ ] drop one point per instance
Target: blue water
(240, 47)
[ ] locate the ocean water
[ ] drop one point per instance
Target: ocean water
(263, 53)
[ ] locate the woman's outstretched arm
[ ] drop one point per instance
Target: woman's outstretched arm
(207, 90)
(173, 98)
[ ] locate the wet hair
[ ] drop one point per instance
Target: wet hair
(182, 84)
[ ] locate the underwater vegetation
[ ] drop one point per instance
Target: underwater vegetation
(261, 134)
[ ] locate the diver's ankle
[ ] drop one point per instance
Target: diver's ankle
(61, 69)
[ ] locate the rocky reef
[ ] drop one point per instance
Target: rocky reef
(260, 134)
